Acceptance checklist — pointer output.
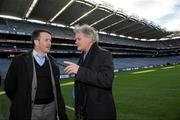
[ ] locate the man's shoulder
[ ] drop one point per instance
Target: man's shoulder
(104, 51)
(52, 59)
(22, 55)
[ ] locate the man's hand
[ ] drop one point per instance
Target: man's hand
(71, 68)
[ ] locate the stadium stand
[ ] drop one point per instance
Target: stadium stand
(4, 63)
(119, 63)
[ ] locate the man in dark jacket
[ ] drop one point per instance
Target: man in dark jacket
(94, 77)
(32, 83)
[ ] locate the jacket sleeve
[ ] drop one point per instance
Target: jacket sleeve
(10, 82)
(103, 77)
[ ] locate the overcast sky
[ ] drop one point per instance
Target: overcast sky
(162, 12)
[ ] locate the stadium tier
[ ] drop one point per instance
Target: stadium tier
(128, 53)
(120, 64)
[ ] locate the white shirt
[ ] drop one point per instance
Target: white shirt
(39, 57)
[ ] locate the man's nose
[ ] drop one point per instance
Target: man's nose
(49, 42)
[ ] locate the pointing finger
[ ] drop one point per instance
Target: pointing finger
(69, 63)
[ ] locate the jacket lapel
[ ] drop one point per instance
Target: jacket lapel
(53, 65)
(91, 55)
(81, 61)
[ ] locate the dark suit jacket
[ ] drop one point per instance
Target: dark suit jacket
(93, 85)
(18, 87)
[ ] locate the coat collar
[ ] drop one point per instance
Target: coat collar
(90, 56)
(94, 48)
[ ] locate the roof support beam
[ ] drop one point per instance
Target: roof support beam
(113, 24)
(86, 14)
(102, 19)
(122, 28)
(33, 4)
(62, 10)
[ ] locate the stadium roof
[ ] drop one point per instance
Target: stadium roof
(72, 12)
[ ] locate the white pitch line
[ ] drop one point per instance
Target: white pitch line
(2, 93)
(69, 107)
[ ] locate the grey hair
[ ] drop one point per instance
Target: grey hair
(88, 31)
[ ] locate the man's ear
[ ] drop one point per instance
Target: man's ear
(89, 39)
(36, 42)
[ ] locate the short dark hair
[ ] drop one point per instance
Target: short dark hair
(36, 33)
